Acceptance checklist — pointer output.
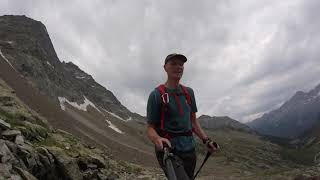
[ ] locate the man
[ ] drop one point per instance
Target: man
(171, 114)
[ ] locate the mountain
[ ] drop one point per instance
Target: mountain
(293, 118)
(309, 137)
(28, 46)
(66, 96)
(222, 122)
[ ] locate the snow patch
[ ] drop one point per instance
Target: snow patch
(50, 64)
(82, 106)
(7, 60)
(112, 126)
(80, 77)
(9, 42)
(116, 116)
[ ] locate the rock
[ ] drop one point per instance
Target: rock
(99, 161)
(101, 176)
(15, 177)
(5, 153)
(24, 174)
(90, 174)
(46, 164)
(45, 153)
(19, 140)
(28, 155)
(91, 162)
(11, 134)
(5, 171)
(66, 165)
(45, 161)
(92, 166)
(113, 176)
(82, 164)
(4, 125)
(25, 148)
(12, 146)
(104, 174)
(91, 147)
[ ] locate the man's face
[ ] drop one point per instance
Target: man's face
(174, 68)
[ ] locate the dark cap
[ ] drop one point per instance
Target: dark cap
(174, 55)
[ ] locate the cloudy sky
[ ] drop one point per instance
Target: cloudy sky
(245, 57)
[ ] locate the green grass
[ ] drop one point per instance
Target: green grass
(128, 167)
(303, 156)
(12, 119)
(52, 141)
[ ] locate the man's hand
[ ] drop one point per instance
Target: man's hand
(212, 146)
(159, 142)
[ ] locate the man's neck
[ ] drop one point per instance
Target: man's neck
(172, 83)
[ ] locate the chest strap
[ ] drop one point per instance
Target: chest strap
(164, 110)
(169, 135)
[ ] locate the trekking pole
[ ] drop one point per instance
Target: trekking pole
(204, 161)
(168, 164)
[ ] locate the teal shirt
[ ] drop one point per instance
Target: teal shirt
(174, 120)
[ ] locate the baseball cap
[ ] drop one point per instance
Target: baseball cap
(175, 55)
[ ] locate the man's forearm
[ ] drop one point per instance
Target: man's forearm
(152, 133)
(197, 128)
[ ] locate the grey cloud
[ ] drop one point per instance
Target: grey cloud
(244, 57)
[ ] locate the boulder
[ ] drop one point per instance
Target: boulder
(5, 170)
(45, 154)
(106, 175)
(27, 154)
(10, 134)
(5, 153)
(24, 174)
(90, 174)
(90, 162)
(98, 160)
(4, 125)
(65, 164)
(19, 140)
(15, 177)
(12, 146)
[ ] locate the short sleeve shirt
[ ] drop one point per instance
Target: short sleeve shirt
(175, 120)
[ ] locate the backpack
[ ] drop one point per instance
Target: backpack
(164, 96)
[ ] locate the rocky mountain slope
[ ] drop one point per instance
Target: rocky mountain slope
(293, 118)
(65, 95)
(31, 149)
(28, 47)
(223, 122)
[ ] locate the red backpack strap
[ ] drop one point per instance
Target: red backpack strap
(187, 94)
(164, 96)
(188, 97)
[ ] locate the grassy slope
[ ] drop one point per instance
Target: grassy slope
(246, 156)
